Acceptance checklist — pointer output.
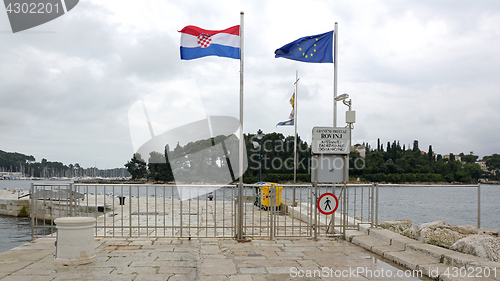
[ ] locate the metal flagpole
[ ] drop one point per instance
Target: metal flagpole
(335, 48)
(335, 60)
(239, 222)
(295, 105)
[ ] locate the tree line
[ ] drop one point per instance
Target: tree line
(271, 159)
(217, 161)
(15, 162)
(396, 164)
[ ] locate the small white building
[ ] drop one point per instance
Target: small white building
(361, 149)
(457, 157)
(482, 164)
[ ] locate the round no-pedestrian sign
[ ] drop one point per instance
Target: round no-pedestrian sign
(327, 203)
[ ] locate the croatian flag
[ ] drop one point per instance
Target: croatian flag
(197, 42)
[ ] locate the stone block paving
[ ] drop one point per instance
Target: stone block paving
(205, 259)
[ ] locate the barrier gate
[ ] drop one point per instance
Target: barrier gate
(125, 210)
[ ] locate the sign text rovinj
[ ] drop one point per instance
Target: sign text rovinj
(330, 140)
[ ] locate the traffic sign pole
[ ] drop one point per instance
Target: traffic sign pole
(330, 141)
(316, 198)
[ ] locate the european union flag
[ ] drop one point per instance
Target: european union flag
(317, 48)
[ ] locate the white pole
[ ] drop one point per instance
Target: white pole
(335, 48)
(239, 233)
(335, 62)
(295, 105)
(241, 101)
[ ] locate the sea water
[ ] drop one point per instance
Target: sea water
(15, 231)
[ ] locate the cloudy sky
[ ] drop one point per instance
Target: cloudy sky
(415, 70)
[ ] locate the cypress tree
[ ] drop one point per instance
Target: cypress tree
(415, 145)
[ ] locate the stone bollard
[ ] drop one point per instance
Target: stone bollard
(75, 240)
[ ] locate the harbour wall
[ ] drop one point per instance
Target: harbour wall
(14, 207)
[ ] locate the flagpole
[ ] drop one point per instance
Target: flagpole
(295, 106)
(239, 223)
(335, 48)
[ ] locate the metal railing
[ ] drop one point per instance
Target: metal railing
(277, 211)
(124, 210)
(138, 210)
(357, 205)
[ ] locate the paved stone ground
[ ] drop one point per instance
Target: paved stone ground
(204, 259)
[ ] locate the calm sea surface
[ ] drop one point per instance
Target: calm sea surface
(455, 205)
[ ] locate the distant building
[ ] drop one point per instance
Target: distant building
(482, 164)
(425, 153)
(458, 158)
(361, 149)
(10, 175)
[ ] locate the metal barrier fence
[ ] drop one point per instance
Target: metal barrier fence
(278, 211)
(124, 210)
(358, 204)
(138, 210)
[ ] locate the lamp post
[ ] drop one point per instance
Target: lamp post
(350, 115)
(350, 118)
(260, 135)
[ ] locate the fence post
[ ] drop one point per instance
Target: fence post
(315, 198)
(239, 212)
(372, 204)
(129, 209)
(376, 205)
(32, 198)
(479, 206)
(272, 207)
(345, 209)
(71, 199)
